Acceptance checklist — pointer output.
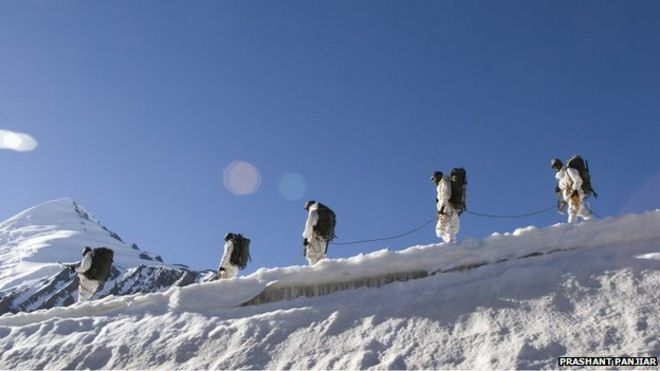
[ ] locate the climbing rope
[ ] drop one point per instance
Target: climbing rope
(467, 212)
(386, 238)
(511, 216)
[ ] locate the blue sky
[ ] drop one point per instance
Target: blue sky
(138, 107)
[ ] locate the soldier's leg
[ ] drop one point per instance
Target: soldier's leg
(316, 251)
(454, 226)
(313, 258)
(229, 271)
(574, 205)
(583, 211)
(445, 226)
(438, 228)
(86, 288)
(572, 215)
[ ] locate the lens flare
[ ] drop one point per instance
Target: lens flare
(241, 178)
(292, 186)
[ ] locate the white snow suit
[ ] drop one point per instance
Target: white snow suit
(86, 286)
(316, 244)
(569, 181)
(230, 270)
(448, 221)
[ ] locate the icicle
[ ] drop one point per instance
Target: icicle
(278, 292)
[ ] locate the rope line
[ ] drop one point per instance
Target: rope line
(510, 216)
(467, 212)
(385, 238)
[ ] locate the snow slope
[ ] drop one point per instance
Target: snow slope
(515, 300)
(32, 242)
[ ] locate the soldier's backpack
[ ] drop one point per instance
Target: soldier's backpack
(325, 226)
(102, 258)
(458, 180)
(240, 255)
(576, 162)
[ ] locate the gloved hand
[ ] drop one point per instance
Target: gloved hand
(71, 267)
(305, 242)
(575, 193)
(561, 206)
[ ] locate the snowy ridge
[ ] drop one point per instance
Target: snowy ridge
(420, 261)
(593, 292)
(385, 266)
(33, 241)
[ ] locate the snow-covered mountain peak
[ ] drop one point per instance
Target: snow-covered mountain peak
(35, 240)
(62, 209)
(61, 214)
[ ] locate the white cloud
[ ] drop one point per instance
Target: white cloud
(16, 141)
